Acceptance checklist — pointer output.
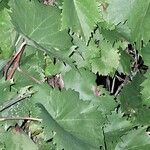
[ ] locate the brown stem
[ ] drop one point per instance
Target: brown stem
(12, 65)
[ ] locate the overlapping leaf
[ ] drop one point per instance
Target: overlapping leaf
(118, 11)
(83, 83)
(77, 123)
(106, 60)
(139, 21)
(136, 139)
(136, 13)
(130, 96)
(116, 127)
(125, 62)
(99, 59)
(41, 25)
(78, 117)
(81, 16)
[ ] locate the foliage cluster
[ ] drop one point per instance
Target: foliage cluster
(74, 74)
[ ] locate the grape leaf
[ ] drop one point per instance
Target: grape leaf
(76, 123)
(81, 16)
(135, 140)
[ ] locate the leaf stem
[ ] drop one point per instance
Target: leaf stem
(28, 75)
(20, 118)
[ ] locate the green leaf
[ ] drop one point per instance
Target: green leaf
(139, 21)
(5, 93)
(81, 16)
(130, 96)
(41, 25)
(2, 64)
(99, 59)
(10, 105)
(142, 116)
(6, 29)
(111, 35)
(125, 62)
(3, 4)
(82, 52)
(116, 7)
(135, 140)
(83, 83)
(77, 123)
(106, 60)
(145, 54)
(116, 127)
(31, 69)
(119, 33)
(146, 87)
(63, 138)
(17, 141)
(135, 12)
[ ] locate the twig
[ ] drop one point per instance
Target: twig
(119, 78)
(20, 118)
(108, 83)
(18, 40)
(121, 86)
(14, 62)
(15, 100)
(113, 84)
